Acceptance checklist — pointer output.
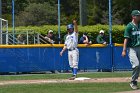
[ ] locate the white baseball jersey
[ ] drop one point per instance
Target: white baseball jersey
(71, 40)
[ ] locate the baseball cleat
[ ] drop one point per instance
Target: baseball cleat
(73, 77)
(133, 85)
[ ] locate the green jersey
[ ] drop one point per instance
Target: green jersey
(100, 39)
(132, 32)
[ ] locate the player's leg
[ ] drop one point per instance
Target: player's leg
(75, 61)
(135, 63)
(70, 60)
(138, 55)
(75, 56)
(132, 53)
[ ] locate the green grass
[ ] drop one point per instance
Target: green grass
(64, 76)
(66, 88)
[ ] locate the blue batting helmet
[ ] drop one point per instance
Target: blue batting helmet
(70, 26)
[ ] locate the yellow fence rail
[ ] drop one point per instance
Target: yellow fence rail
(49, 45)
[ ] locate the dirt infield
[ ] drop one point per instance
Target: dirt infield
(97, 80)
(46, 81)
(135, 91)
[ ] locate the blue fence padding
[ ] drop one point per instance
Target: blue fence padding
(95, 58)
(120, 62)
(46, 59)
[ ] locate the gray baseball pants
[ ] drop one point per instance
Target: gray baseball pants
(134, 57)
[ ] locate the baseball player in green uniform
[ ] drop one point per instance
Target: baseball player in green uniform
(132, 43)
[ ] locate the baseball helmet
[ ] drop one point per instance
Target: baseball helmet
(70, 26)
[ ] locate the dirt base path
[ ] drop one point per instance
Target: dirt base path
(97, 80)
(135, 91)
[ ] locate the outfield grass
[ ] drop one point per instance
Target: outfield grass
(66, 88)
(64, 76)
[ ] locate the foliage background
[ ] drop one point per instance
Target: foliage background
(93, 31)
(41, 15)
(44, 12)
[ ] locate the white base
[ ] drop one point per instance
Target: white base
(82, 78)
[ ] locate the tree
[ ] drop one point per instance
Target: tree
(69, 11)
(38, 14)
(97, 11)
(122, 10)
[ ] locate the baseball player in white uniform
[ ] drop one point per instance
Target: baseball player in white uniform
(71, 43)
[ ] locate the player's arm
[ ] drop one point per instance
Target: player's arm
(75, 26)
(64, 48)
(124, 47)
(49, 40)
(86, 41)
(127, 34)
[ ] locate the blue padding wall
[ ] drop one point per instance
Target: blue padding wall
(95, 58)
(120, 62)
(48, 58)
